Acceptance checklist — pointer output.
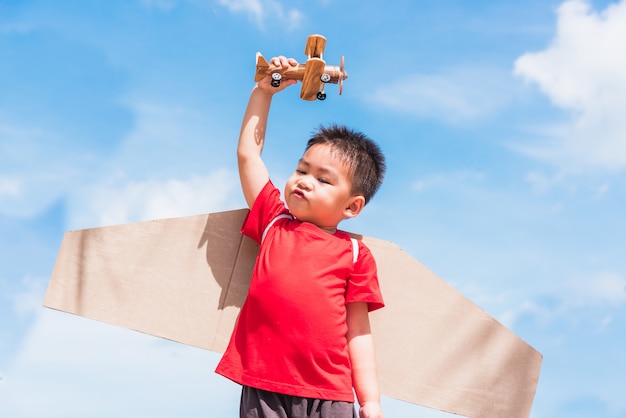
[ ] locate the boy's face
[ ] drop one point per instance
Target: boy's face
(320, 190)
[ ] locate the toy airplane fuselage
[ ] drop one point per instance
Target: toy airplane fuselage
(314, 74)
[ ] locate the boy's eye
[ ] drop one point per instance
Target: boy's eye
(300, 171)
(323, 180)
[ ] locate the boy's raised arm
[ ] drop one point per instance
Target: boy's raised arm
(252, 171)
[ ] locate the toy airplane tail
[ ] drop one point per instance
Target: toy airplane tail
(261, 67)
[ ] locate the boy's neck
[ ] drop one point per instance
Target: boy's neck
(329, 229)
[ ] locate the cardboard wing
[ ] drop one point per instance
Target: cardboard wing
(185, 279)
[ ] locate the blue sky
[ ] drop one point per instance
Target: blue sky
(503, 125)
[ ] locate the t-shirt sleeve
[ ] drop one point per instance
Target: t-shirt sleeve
(363, 282)
(266, 207)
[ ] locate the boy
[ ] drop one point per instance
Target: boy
(302, 341)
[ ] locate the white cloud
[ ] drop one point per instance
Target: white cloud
(600, 289)
(458, 95)
(446, 179)
(153, 199)
(542, 182)
(583, 70)
(170, 164)
(262, 10)
(28, 299)
(73, 367)
(587, 293)
(36, 167)
(10, 187)
(510, 316)
(598, 187)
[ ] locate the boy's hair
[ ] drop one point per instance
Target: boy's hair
(365, 160)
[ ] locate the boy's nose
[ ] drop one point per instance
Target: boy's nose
(304, 183)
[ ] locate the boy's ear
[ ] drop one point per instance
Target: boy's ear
(355, 206)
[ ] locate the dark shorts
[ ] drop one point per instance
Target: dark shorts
(257, 403)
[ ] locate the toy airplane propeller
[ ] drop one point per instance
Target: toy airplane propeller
(314, 74)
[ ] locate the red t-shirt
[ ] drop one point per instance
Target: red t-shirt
(290, 336)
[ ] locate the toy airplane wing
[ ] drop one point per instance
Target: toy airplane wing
(185, 279)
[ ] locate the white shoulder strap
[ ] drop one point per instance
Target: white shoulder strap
(269, 225)
(355, 243)
(355, 250)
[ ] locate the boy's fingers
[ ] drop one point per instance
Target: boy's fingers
(278, 61)
(283, 62)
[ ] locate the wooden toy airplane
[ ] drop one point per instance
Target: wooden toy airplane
(314, 74)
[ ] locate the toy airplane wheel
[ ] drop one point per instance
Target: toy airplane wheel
(276, 77)
(321, 96)
(325, 78)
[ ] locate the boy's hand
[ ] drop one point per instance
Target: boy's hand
(278, 62)
(371, 410)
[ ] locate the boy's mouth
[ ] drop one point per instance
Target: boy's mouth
(299, 194)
